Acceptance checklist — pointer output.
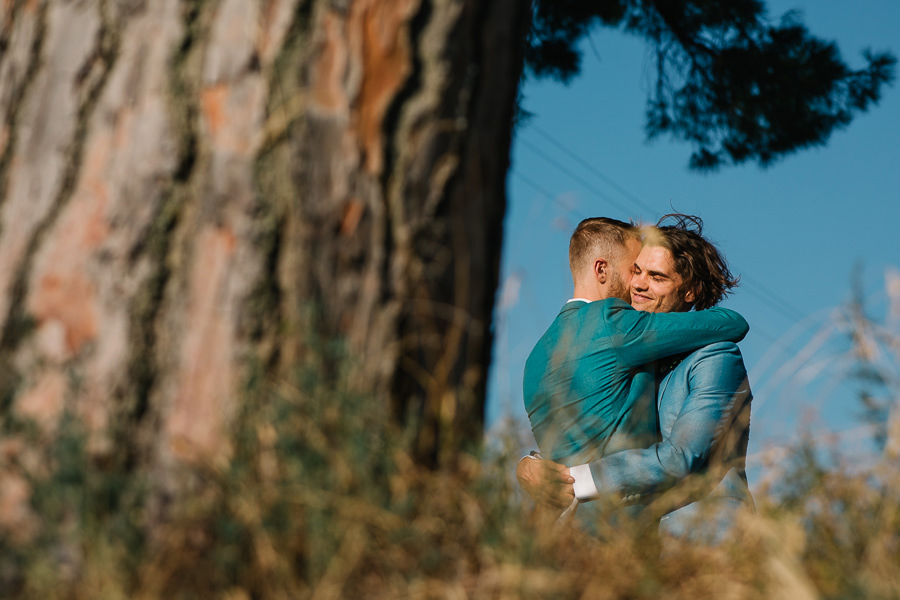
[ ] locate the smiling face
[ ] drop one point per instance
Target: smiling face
(655, 285)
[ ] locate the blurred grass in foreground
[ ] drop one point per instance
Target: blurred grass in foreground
(321, 500)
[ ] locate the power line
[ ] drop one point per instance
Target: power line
(592, 169)
(761, 331)
(553, 198)
(773, 300)
(761, 292)
(573, 175)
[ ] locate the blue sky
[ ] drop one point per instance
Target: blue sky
(798, 232)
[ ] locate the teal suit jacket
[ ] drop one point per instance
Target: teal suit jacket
(590, 374)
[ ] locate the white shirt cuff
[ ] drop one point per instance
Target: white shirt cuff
(585, 489)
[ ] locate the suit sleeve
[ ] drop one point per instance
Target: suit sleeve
(640, 337)
(717, 382)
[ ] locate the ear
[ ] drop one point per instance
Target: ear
(601, 270)
(690, 296)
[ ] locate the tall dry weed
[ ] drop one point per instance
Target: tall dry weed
(321, 500)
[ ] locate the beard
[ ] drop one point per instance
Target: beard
(618, 288)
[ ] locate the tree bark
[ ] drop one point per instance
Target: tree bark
(194, 194)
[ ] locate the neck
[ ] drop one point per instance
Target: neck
(592, 294)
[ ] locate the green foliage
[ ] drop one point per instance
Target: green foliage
(729, 82)
(557, 28)
(83, 516)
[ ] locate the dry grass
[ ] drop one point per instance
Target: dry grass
(318, 503)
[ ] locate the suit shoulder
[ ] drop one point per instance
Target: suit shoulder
(715, 367)
(722, 353)
(607, 305)
(717, 348)
(609, 310)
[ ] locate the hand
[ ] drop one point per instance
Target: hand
(547, 482)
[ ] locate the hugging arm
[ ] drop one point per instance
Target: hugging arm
(642, 337)
(717, 386)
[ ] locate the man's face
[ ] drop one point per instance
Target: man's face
(655, 285)
(620, 274)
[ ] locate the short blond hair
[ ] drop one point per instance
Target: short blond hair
(599, 236)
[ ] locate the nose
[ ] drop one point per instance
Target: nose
(639, 281)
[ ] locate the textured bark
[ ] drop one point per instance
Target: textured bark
(193, 194)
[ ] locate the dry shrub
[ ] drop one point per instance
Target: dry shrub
(321, 500)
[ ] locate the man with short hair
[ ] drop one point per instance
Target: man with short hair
(591, 375)
(704, 404)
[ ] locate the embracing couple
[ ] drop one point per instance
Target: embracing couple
(637, 393)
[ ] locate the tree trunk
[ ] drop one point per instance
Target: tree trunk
(197, 193)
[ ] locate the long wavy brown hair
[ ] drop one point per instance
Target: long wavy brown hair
(697, 260)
